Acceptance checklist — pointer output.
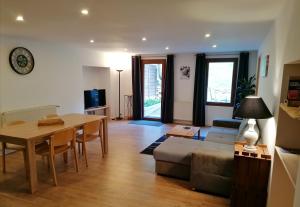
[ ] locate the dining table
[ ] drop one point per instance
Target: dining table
(29, 133)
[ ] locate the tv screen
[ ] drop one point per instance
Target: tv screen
(94, 98)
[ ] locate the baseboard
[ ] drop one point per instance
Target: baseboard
(183, 122)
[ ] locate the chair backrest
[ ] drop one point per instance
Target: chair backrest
(51, 116)
(63, 137)
(17, 122)
(92, 127)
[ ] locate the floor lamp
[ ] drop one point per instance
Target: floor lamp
(119, 117)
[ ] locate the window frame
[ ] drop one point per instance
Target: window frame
(233, 84)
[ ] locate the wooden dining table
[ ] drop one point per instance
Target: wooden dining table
(29, 133)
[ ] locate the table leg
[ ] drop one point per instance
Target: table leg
(31, 164)
(199, 134)
(105, 135)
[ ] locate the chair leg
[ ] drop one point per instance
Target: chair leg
(76, 160)
(48, 163)
(78, 148)
(84, 153)
(25, 164)
(102, 146)
(53, 169)
(65, 154)
(3, 157)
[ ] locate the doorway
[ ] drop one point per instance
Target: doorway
(152, 72)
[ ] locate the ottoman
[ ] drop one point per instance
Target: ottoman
(173, 157)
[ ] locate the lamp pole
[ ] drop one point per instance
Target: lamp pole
(119, 117)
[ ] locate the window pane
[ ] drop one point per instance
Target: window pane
(219, 82)
(152, 90)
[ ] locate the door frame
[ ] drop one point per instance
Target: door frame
(153, 61)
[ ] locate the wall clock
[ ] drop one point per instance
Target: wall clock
(21, 60)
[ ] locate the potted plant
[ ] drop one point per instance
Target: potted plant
(245, 87)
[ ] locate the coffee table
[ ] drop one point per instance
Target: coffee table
(184, 131)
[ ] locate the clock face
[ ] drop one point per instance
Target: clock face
(21, 60)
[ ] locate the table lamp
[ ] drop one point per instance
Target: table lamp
(252, 108)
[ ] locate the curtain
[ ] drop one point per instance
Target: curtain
(243, 66)
(137, 95)
(167, 107)
(242, 75)
(200, 89)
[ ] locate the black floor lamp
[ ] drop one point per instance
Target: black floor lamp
(119, 117)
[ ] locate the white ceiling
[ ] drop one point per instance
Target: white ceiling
(117, 24)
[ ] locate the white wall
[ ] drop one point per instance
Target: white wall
(57, 76)
(184, 89)
(282, 44)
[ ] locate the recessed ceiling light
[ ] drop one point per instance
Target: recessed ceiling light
(214, 46)
(84, 11)
(20, 18)
(144, 39)
(207, 35)
(167, 48)
(92, 41)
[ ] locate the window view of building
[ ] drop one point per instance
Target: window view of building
(152, 90)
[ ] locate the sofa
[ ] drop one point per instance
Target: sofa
(208, 164)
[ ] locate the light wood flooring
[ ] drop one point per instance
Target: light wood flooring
(123, 178)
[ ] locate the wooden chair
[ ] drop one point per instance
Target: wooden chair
(51, 116)
(15, 147)
(91, 131)
(59, 143)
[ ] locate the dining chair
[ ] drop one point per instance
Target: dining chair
(59, 143)
(91, 131)
(14, 147)
(51, 116)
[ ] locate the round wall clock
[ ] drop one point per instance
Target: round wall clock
(21, 60)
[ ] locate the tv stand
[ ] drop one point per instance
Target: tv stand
(94, 110)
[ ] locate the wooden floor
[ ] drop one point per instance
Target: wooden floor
(123, 178)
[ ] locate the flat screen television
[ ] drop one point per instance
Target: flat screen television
(94, 98)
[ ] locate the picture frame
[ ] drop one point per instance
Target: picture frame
(264, 65)
(185, 72)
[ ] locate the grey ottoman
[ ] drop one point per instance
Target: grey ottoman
(173, 157)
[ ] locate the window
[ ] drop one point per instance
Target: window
(221, 82)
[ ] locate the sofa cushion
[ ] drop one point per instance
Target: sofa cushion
(212, 169)
(215, 159)
(222, 135)
(221, 138)
(228, 123)
(223, 130)
(176, 150)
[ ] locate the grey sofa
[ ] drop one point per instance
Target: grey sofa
(207, 164)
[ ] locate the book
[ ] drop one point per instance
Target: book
(293, 94)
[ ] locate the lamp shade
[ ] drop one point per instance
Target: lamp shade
(253, 107)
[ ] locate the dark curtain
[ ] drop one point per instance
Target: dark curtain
(243, 66)
(167, 106)
(200, 88)
(137, 105)
(242, 74)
